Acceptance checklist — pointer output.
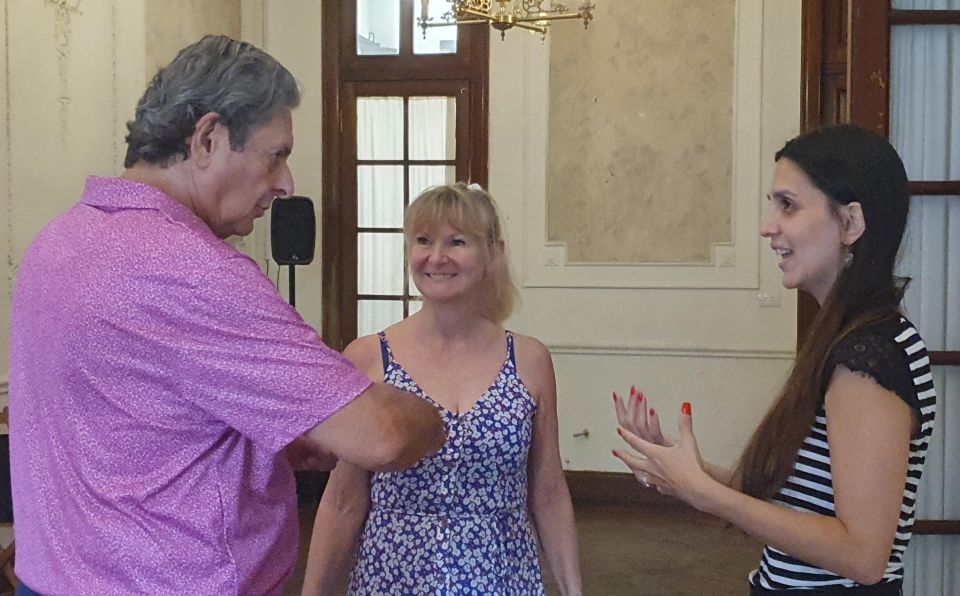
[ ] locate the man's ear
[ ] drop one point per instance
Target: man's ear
(208, 135)
(851, 215)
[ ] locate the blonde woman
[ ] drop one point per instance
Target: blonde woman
(466, 520)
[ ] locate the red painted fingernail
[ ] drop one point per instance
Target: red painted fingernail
(639, 397)
(633, 389)
(614, 397)
(686, 408)
(653, 412)
(614, 452)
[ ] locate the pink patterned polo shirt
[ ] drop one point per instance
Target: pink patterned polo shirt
(155, 377)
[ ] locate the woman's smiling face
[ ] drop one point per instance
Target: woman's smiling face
(805, 230)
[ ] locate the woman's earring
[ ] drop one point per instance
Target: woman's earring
(847, 257)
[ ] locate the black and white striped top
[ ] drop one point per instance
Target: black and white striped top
(891, 352)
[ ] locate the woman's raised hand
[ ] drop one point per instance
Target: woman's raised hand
(675, 469)
(634, 416)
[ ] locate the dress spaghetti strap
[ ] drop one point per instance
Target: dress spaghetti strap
(511, 354)
(384, 352)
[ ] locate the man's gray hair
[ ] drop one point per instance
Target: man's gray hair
(243, 84)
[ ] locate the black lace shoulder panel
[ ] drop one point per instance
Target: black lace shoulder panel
(874, 353)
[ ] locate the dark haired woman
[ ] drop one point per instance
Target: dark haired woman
(829, 479)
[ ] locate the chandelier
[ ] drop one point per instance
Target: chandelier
(525, 14)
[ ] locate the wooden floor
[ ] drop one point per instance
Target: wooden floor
(653, 552)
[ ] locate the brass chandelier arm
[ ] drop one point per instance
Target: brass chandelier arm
(475, 12)
(549, 17)
(537, 28)
(421, 23)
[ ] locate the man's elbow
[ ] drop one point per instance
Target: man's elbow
(401, 445)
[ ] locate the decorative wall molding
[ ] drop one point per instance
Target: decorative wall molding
(648, 351)
(114, 89)
(63, 9)
(733, 265)
(10, 266)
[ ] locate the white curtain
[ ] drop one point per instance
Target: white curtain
(925, 129)
(431, 130)
(926, 4)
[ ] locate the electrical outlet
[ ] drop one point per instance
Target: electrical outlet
(768, 300)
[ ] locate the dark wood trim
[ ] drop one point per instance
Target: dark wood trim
(622, 490)
(824, 99)
(939, 527)
(346, 76)
(332, 284)
(387, 297)
(945, 358)
(925, 17)
(811, 59)
(868, 73)
(616, 489)
(807, 310)
(935, 188)
(379, 230)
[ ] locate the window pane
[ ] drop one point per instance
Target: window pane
(380, 196)
(930, 256)
(433, 127)
(925, 99)
(423, 177)
(380, 263)
(926, 4)
(415, 306)
(377, 315)
(380, 128)
(413, 291)
(378, 27)
(438, 40)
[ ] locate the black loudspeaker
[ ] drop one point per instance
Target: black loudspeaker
(293, 231)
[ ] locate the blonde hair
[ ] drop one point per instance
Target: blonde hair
(471, 210)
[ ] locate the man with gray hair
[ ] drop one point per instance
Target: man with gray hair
(156, 374)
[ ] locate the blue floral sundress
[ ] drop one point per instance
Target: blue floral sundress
(457, 522)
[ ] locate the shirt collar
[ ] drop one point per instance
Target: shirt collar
(118, 194)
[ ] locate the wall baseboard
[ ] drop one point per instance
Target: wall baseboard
(616, 489)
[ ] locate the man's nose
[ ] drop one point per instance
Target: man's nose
(284, 184)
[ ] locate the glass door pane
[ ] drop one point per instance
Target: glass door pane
(404, 145)
(380, 128)
(378, 27)
(380, 196)
(432, 124)
(437, 40)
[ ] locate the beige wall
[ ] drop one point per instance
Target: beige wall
(74, 72)
(640, 157)
(720, 335)
(174, 24)
(291, 33)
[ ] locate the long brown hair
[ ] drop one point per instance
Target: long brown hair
(848, 164)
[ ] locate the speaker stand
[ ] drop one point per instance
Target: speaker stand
(292, 278)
